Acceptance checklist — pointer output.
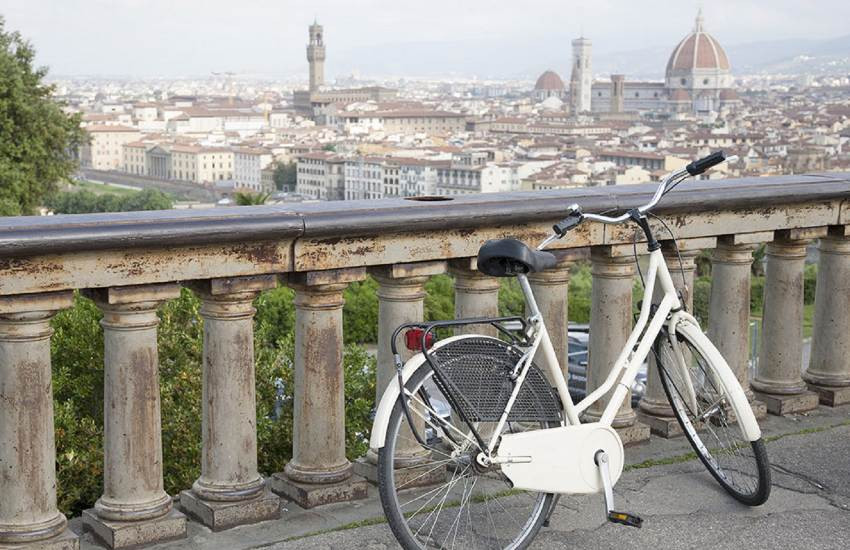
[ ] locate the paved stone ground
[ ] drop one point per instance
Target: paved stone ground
(682, 506)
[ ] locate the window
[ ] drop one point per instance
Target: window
(705, 81)
(684, 81)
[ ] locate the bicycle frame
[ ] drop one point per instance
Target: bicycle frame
(624, 370)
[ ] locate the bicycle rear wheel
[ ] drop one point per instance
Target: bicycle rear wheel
(465, 505)
(704, 406)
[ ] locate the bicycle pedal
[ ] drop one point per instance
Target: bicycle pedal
(624, 518)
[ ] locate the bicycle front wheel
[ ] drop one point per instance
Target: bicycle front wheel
(434, 493)
(698, 390)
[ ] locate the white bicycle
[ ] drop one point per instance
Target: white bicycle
(477, 442)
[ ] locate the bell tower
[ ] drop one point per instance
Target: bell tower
(581, 79)
(316, 57)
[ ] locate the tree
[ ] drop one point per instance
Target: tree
(86, 202)
(248, 199)
(37, 139)
(285, 176)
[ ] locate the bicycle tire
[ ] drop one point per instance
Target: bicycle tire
(739, 465)
(489, 534)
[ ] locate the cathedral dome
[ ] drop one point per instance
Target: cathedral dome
(549, 81)
(697, 51)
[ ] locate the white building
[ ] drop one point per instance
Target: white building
(418, 177)
(321, 176)
(248, 164)
(105, 148)
(364, 178)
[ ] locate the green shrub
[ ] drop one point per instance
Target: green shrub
(181, 341)
(810, 279)
(578, 304)
(439, 298)
(702, 296)
(275, 314)
(511, 300)
(87, 202)
(77, 351)
(360, 314)
(757, 295)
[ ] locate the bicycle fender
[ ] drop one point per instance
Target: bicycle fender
(739, 404)
(388, 401)
(391, 393)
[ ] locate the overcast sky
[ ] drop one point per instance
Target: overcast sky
(193, 37)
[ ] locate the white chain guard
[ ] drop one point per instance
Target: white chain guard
(560, 460)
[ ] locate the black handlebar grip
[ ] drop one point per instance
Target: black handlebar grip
(567, 223)
(699, 166)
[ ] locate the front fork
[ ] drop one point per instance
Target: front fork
(679, 360)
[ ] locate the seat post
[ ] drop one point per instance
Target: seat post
(528, 294)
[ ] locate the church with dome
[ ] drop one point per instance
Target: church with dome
(698, 79)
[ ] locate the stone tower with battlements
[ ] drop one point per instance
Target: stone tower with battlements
(316, 57)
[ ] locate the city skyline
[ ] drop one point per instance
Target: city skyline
(266, 38)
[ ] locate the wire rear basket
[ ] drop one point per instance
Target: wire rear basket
(474, 374)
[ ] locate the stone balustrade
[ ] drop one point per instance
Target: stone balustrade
(129, 264)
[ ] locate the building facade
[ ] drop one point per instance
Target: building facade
(248, 164)
(105, 149)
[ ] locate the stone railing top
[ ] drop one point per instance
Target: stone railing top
(33, 235)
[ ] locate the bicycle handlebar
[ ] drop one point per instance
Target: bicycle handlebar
(575, 217)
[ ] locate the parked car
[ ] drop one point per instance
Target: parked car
(577, 344)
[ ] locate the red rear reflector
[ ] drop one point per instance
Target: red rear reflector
(413, 339)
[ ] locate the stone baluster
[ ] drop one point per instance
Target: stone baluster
(476, 295)
(401, 299)
(828, 372)
(778, 382)
(729, 309)
(230, 491)
(551, 289)
(134, 509)
(654, 408)
(610, 326)
(319, 472)
(28, 512)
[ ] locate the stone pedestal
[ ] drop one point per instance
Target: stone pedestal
(220, 515)
(610, 326)
(828, 372)
(319, 472)
(132, 534)
(778, 382)
(230, 491)
(134, 509)
(28, 512)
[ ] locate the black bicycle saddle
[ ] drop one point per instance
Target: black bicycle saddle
(509, 257)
